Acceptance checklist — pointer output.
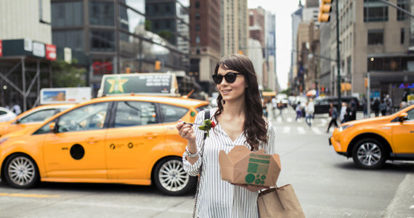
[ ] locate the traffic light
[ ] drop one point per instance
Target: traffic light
(157, 65)
(325, 10)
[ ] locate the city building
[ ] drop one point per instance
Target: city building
(171, 20)
(205, 41)
(26, 51)
(307, 50)
(293, 71)
(115, 36)
(270, 51)
(262, 46)
(375, 39)
(325, 59)
(234, 27)
(256, 46)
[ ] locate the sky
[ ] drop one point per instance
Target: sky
(283, 10)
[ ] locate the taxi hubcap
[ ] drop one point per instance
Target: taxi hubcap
(21, 171)
(172, 176)
(369, 153)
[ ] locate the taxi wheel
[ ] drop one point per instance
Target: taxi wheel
(369, 153)
(171, 179)
(21, 172)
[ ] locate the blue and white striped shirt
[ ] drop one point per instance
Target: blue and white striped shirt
(216, 197)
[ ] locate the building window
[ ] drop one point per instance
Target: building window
(404, 5)
(197, 4)
(101, 13)
(67, 14)
(197, 27)
(102, 40)
(402, 37)
(375, 37)
(197, 40)
(197, 16)
(375, 10)
(68, 38)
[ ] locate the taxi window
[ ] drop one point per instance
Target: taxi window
(135, 113)
(38, 116)
(2, 112)
(88, 117)
(172, 113)
(410, 114)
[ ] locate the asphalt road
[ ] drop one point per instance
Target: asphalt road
(327, 185)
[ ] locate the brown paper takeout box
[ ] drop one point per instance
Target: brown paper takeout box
(242, 166)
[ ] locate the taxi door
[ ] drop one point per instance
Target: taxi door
(76, 149)
(134, 135)
(403, 134)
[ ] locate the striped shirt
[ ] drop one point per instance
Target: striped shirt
(216, 197)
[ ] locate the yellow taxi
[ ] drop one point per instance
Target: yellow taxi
(32, 117)
(122, 139)
(371, 142)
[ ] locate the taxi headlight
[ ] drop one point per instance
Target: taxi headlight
(341, 128)
(3, 140)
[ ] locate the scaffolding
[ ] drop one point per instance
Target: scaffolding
(22, 74)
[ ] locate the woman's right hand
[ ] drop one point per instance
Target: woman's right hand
(186, 131)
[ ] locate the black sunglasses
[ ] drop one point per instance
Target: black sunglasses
(229, 77)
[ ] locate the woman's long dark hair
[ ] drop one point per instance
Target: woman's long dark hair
(254, 127)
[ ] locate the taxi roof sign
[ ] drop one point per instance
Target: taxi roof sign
(139, 83)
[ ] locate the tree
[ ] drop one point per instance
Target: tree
(67, 75)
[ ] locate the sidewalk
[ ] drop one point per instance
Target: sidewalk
(402, 205)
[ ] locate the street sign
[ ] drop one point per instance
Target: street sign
(51, 52)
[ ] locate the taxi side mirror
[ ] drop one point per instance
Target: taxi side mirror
(52, 126)
(402, 117)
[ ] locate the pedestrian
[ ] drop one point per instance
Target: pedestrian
(264, 106)
(388, 102)
(383, 107)
(298, 111)
(343, 112)
(353, 110)
(375, 107)
(364, 106)
(16, 109)
(274, 106)
(333, 113)
(239, 121)
(310, 109)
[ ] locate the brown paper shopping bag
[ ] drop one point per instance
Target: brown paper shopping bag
(279, 203)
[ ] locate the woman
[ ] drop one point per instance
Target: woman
(333, 113)
(240, 121)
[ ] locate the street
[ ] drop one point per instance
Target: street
(327, 185)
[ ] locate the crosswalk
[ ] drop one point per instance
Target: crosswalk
(287, 124)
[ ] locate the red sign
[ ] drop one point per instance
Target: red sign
(51, 52)
(102, 67)
(1, 48)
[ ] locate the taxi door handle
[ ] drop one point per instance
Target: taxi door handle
(411, 131)
(92, 141)
(150, 136)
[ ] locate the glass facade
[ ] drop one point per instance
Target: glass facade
(102, 40)
(131, 21)
(67, 14)
(137, 49)
(101, 13)
(68, 38)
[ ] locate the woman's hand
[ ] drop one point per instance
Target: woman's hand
(252, 188)
(186, 131)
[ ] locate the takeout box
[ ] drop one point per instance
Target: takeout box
(242, 166)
